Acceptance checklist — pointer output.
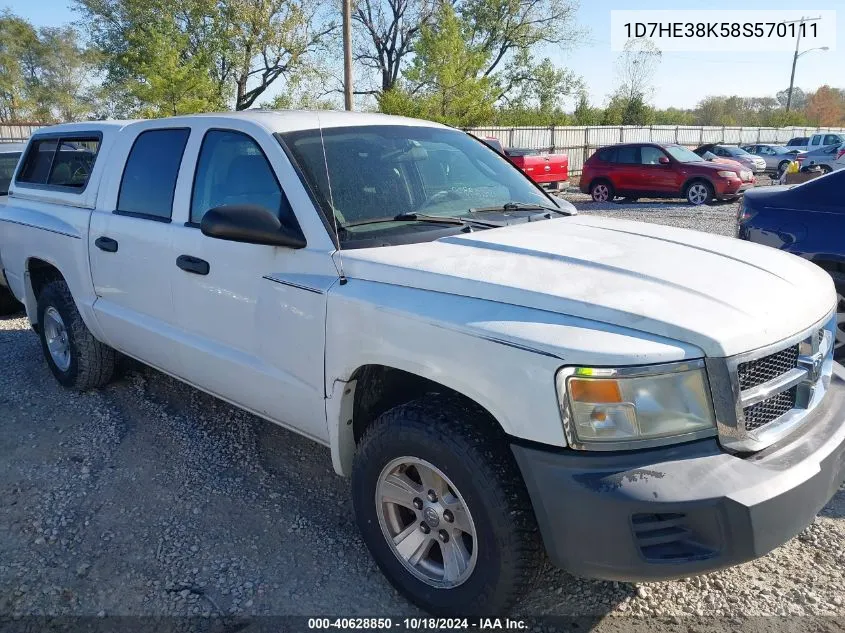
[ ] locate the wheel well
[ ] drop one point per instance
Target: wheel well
(40, 274)
(695, 179)
(380, 388)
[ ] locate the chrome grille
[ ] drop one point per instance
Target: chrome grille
(766, 411)
(774, 389)
(756, 372)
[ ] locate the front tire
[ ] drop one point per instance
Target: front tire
(76, 358)
(699, 192)
(443, 508)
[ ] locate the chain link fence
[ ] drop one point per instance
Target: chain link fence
(579, 142)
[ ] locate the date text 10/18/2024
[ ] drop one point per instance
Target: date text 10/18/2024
(417, 624)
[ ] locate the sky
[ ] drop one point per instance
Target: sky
(681, 80)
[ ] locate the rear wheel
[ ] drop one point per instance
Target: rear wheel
(825, 169)
(782, 167)
(602, 191)
(699, 192)
(76, 358)
(443, 509)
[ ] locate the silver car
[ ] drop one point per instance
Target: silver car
(732, 152)
(777, 157)
(830, 158)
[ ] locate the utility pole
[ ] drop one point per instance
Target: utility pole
(347, 54)
(797, 55)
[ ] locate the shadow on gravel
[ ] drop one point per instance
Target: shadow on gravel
(835, 509)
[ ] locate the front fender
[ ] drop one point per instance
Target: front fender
(503, 357)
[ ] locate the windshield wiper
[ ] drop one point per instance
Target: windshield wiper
(422, 217)
(519, 206)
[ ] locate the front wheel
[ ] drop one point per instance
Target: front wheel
(443, 509)
(699, 192)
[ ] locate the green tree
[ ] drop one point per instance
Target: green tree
(18, 54)
(171, 56)
(584, 113)
(444, 83)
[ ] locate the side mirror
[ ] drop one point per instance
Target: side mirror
(663, 160)
(249, 223)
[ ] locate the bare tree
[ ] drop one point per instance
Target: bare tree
(387, 30)
(635, 68)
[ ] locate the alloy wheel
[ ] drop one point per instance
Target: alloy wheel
(697, 194)
(56, 335)
(426, 522)
(600, 193)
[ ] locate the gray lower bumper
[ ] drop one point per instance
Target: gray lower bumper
(688, 509)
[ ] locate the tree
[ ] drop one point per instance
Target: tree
(387, 31)
(444, 82)
(167, 56)
(799, 98)
(635, 69)
(825, 107)
(18, 54)
(585, 114)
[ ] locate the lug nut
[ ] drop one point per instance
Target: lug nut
(448, 516)
(424, 528)
(444, 536)
(418, 504)
(432, 496)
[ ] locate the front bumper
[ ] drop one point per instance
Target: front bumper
(686, 509)
(731, 188)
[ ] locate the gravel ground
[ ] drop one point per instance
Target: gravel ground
(151, 498)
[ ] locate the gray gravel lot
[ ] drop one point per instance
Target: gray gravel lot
(149, 497)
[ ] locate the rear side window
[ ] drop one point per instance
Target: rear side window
(149, 178)
(65, 162)
(8, 162)
(608, 154)
(628, 154)
(232, 170)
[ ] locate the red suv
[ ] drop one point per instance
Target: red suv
(652, 170)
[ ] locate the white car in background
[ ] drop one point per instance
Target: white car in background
(10, 154)
(831, 158)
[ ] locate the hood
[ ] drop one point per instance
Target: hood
(722, 295)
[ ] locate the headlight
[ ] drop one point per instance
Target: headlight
(635, 407)
(727, 174)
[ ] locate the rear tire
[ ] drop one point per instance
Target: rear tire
(475, 470)
(602, 191)
(8, 303)
(825, 169)
(699, 192)
(782, 167)
(76, 358)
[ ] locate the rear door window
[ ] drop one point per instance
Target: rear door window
(830, 139)
(63, 162)
(149, 178)
(628, 154)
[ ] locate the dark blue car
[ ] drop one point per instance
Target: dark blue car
(807, 220)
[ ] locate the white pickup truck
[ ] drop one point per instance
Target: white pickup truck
(498, 375)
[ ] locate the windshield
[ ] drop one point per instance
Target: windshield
(8, 162)
(735, 151)
(683, 155)
(380, 172)
(778, 149)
